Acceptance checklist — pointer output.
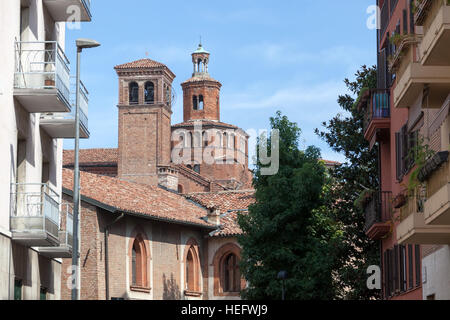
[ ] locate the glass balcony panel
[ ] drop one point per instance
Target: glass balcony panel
(62, 125)
(34, 214)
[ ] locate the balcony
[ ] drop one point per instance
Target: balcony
(64, 250)
(41, 78)
(413, 230)
(423, 7)
(62, 125)
(437, 175)
(34, 215)
(416, 79)
(378, 215)
(64, 10)
(435, 45)
(377, 116)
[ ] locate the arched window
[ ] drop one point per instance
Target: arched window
(134, 93)
(225, 139)
(197, 168)
(168, 100)
(180, 189)
(197, 139)
(192, 268)
(195, 103)
(227, 276)
(218, 139)
(149, 92)
(231, 276)
(200, 103)
(139, 259)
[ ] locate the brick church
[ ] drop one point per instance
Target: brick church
(158, 214)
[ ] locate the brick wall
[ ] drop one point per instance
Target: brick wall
(210, 90)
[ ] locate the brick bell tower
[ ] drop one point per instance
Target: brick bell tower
(201, 93)
(215, 150)
(145, 100)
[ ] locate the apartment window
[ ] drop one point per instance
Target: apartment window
(405, 143)
(405, 21)
(18, 289)
(149, 92)
(417, 258)
(393, 4)
(231, 276)
(134, 93)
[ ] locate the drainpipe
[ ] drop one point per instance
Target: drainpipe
(106, 254)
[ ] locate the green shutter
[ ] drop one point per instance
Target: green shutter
(17, 289)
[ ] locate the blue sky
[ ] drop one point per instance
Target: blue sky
(290, 55)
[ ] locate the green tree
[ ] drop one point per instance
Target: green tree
(286, 228)
(344, 134)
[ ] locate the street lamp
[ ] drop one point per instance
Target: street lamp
(282, 275)
(81, 44)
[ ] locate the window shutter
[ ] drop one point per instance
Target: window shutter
(410, 267)
(418, 265)
(411, 16)
(398, 155)
(396, 269)
(385, 274)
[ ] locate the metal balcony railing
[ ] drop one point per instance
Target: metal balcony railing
(34, 209)
(379, 209)
(379, 107)
(42, 65)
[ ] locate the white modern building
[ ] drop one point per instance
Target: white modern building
(36, 113)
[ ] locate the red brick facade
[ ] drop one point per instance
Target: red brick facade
(161, 244)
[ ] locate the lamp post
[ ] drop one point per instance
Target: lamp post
(81, 44)
(282, 275)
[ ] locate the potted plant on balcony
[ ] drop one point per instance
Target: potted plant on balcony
(399, 201)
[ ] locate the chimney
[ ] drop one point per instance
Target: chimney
(168, 177)
(213, 215)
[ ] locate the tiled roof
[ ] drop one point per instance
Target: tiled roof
(230, 205)
(137, 198)
(140, 64)
(200, 78)
(92, 156)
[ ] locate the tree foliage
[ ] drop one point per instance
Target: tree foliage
(286, 230)
(344, 134)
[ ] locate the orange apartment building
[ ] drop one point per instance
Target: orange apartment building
(404, 116)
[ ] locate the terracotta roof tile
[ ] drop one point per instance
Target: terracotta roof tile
(137, 198)
(230, 205)
(200, 78)
(140, 64)
(91, 156)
